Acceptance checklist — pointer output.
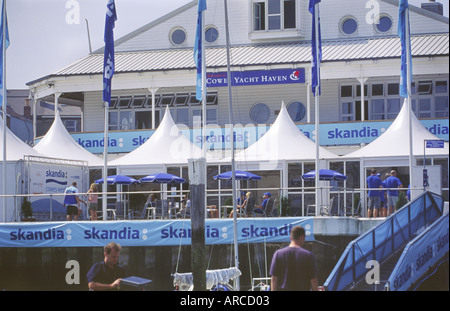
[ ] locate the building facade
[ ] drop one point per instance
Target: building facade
(270, 64)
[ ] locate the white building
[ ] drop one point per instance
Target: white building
(270, 40)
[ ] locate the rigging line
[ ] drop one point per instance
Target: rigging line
(179, 247)
(210, 256)
(249, 263)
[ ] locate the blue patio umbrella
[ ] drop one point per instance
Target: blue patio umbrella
(239, 175)
(163, 178)
(118, 179)
(325, 174)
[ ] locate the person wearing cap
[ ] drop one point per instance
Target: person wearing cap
(266, 198)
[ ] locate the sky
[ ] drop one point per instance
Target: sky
(48, 35)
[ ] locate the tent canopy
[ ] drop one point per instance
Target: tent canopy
(167, 145)
(58, 143)
(394, 142)
(16, 149)
(283, 142)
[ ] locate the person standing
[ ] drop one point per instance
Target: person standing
(373, 183)
(72, 200)
(107, 274)
(294, 268)
(393, 182)
(93, 201)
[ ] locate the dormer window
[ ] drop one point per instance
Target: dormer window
(274, 15)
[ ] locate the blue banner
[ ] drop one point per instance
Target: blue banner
(148, 233)
(260, 77)
(3, 24)
(198, 48)
(403, 31)
(421, 254)
(108, 59)
(316, 46)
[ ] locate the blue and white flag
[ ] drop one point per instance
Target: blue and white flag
(316, 47)
(108, 62)
(198, 57)
(4, 43)
(405, 39)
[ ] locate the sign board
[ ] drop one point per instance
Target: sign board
(434, 144)
(260, 77)
(433, 178)
(51, 177)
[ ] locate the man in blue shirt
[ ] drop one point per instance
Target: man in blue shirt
(107, 274)
(373, 182)
(393, 182)
(261, 210)
(72, 201)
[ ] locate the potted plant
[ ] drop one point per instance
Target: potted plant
(285, 207)
(27, 211)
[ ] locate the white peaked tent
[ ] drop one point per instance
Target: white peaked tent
(58, 143)
(282, 142)
(16, 149)
(167, 146)
(393, 144)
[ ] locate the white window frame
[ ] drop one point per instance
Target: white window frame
(265, 33)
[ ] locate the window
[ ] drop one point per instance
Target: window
(260, 113)
(274, 15)
(71, 125)
(384, 24)
(178, 36)
(425, 87)
(296, 111)
(378, 109)
(211, 34)
(123, 102)
(393, 89)
(143, 120)
(348, 111)
(136, 111)
(377, 89)
(259, 16)
(441, 87)
(429, 100)
(393, 107)
(138, 101)
(441, 106)
(181, 99)
(347, 91)
(349, 26)
(289, 14)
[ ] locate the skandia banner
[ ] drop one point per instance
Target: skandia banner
(420, 255)
(218, 137)
(148, 233)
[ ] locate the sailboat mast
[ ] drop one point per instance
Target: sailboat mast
(233, 168)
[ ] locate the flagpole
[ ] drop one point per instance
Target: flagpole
(105, 165)
(316, 111)
(108, 72)
(233, 168)
(408, 74)
(4, 105)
